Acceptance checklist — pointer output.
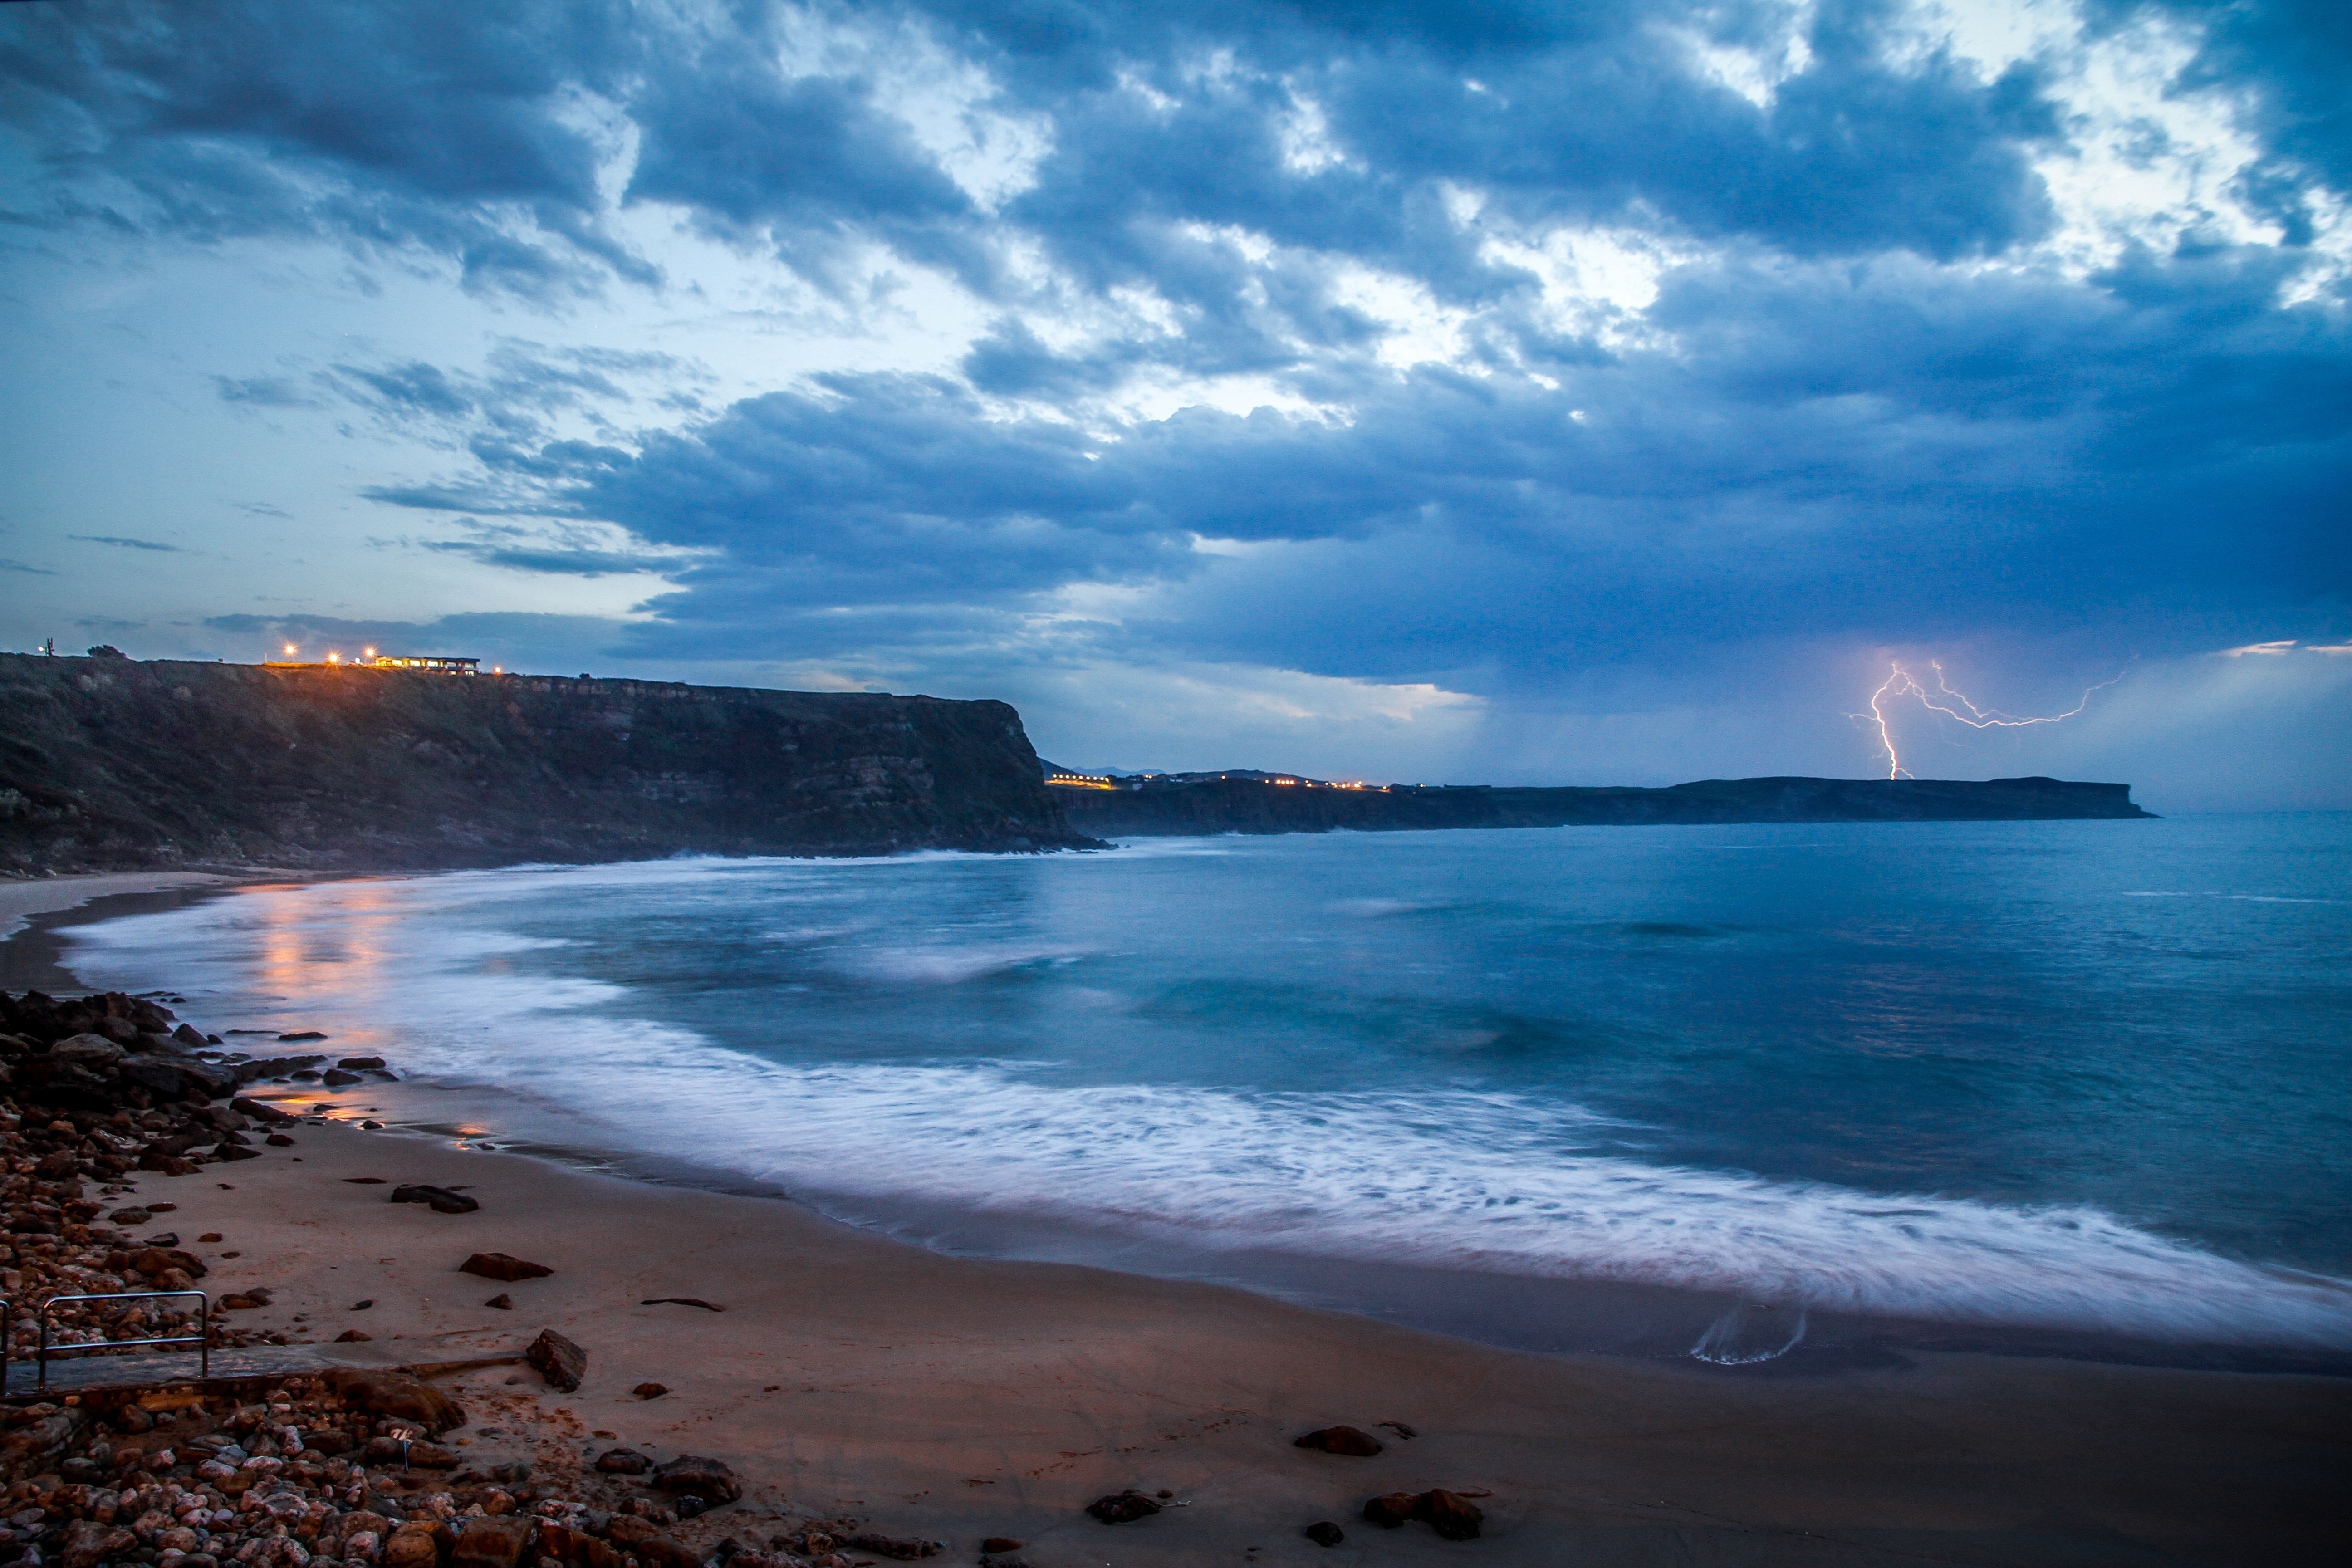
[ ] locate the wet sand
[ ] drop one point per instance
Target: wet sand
(958, 1399)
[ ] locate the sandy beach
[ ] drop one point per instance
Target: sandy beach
(959, 1399)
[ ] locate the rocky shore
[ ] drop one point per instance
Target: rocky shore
(102, 1094)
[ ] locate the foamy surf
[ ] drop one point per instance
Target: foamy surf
(1443, 1175)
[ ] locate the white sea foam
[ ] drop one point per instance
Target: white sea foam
(1441, 1177)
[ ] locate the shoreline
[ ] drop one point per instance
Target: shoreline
(958, 1397)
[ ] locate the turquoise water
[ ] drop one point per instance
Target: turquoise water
(2076, 1077)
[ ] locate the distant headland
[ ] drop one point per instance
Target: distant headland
(1251, 801)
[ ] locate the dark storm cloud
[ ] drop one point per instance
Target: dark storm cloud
(1891, 452)
(1820, 428)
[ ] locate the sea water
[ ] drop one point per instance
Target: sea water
(2072, 1078)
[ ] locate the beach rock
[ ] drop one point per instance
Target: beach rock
(622, 1462)
(559, 1361)
(353, 1337)
(304, 1035)
(1353, 1442)
(413, 1545)
(1122, 1508)
(706, 1478)
(1323, 1532)
(661, 1552)
(336, 1078)
(441, 1200)
(628, 1529)
(192, 1038)
(650, 1389)
(355, 1064)
(429, 1457)
(259, 1109)
(87, 1543)
(499, 1266)
(236, 1151)
(157, 1077)
(1001, 1543)
(680, 1301)
(898, 1549)
(499, 1541)
(1392, 1510)
(89, 1051)
(502, 1302)
(397, 1393)
(1455, 1518)
(130, 1216)
(209, 1079)
(155, 1261)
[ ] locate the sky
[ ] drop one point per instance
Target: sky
(1475, 391)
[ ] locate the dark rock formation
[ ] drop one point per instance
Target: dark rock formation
(123, 764)
(1252, 805)
(562, 1362)
(1353, 1442)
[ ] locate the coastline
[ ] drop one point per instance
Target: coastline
(958, 1398)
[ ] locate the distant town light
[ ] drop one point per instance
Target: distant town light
(371, 653)
(334, 658)
(289, 650)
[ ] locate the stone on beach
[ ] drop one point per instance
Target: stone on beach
(502, 1302)
(650, 1389)
(1454, 1517)
(559, 1361)
(501, 1266)
(1122, 1508)
(900, 1548)
(1391, 1510)
(622, 1462)
(1353, 1442)
(398, 1393)
(706, 1478)
(1323, 1532)
(442, 1201)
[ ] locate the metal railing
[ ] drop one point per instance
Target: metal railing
(201, 1339)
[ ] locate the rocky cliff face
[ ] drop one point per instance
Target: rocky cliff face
(111, 763)
(1243, 805)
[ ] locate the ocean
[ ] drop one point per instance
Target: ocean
(1745, 1094)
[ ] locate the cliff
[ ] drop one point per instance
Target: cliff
(111, 763)
(1248, 806)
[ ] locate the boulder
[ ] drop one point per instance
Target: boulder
(157, 1077)
(995, 1544)
(1392, 1510)
(706, 1478)
(414, 1545)
(397, 1393)
(238, 1152)
(622, 1462)
(502, 1302)
(1453, 1517)
(1353, 1442)
(259, 1109)
(662, 1552)
(209, 1077)
(650, 1389)
(1323, 1532)
(1122, 1508)
(356, 1063)
(155, 1261)
(88, 1051)
(559, 1361)
(336, 1078)
(442, 1201)
(499, 1266)
(497, 1541)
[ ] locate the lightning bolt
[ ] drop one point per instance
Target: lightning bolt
(1901, 685)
